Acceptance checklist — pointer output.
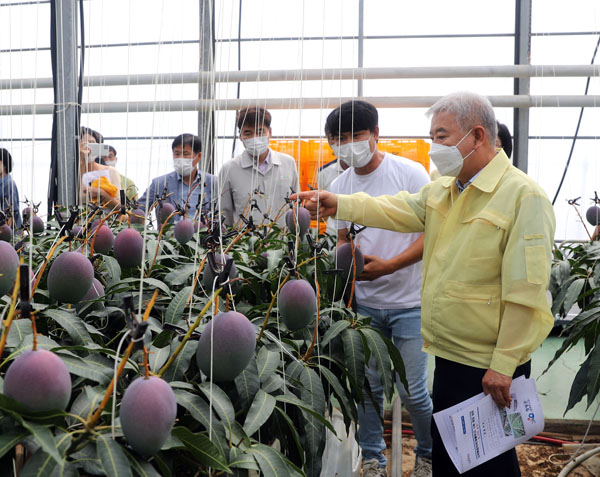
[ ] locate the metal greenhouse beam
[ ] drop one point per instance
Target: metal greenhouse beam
(326, 74)
(132, 107)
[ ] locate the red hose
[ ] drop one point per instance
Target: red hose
(548, 440)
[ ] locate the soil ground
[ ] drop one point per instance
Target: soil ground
(536, 460)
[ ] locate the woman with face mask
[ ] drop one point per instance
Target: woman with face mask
(99, 183)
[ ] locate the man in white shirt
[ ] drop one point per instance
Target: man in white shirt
(388, 290)
(256, 182)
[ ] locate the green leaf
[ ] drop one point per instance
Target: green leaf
(19, 412)
(87, 458)
(44, 438)
(18, 331)
(241, 460)
(274, 383)
(334, 330)
(559, 299)
(593, 384)
(220, 403)
(42, 342)
(149, 284)
(380, 354)
(306, 410)
(71, 324)
(9, 439)
(313, 394)
(197, 407)
(182, 362)
(141, 467)
(180, 275)
(267, 362)
(271, 462)
(204, 451)
(42, 464)
(88, 369)
(247, 383)
(39, 465)
(355, 358)
(345, 400)
(66, 469)
(177, 305)
(573, 293)
(86, 401)
(260, 410)
(112, 270)
(112, 457)
(293, 431)
(579, 386)
(158, 357)
(397, 361)
(199, 410)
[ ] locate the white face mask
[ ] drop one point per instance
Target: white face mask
(183, 166)
(448, 159)
(110, 163)
(355, 154)
(256, 146)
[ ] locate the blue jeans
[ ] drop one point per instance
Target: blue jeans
(404, 328)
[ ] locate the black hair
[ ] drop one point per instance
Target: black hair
(505, 138)
(95, 134)
(351, 116)
(113, 150)
(253, 116)
(188, 140)
(6, 159)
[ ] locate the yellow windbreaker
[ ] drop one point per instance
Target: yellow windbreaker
(486, 262)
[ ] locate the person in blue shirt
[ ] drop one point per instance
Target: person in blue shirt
(186, 185)
(9, 194)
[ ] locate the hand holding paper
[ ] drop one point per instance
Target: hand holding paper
(477, 430)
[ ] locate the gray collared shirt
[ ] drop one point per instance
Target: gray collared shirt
(241, 182)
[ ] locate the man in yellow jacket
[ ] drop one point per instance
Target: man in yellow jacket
(489, 231)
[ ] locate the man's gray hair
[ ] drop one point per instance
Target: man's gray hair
(470, 109)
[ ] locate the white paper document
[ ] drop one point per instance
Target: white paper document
(476, 430)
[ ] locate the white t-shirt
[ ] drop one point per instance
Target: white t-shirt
(402, 288)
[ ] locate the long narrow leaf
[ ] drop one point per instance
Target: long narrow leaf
(355, 358)
(383, 363)
(334, 330)
(247, 383)
(112, 457)
(261, 409)
(203, 450)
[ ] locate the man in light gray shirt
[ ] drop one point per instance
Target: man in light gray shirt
(256, 182)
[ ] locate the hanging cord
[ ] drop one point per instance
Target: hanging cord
(239, 67)
(587, 87)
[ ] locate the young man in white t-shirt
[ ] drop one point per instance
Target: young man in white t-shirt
(388, 290)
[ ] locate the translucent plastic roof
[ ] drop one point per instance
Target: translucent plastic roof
(153, 36)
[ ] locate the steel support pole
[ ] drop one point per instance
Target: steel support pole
(206, 90)
(361, 43)
(66, 102)
(522, 85)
